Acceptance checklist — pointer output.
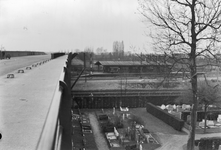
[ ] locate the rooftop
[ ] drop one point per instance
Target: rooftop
(128, 63)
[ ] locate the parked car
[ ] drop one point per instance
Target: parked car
(8, 56)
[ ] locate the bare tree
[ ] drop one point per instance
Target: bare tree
(191, 27)
(118, 49)
(89, 50)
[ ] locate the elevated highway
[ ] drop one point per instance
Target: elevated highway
(26, 101)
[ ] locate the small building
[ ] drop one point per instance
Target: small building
(133, 67)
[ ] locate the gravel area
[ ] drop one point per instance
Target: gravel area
(99, 137)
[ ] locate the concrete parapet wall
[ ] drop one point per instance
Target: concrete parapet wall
(3, 54)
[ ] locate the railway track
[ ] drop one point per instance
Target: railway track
(126, 93)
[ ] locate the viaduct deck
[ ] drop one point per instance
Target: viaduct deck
(25, 101)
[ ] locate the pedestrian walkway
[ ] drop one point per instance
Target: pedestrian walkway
(99, 137)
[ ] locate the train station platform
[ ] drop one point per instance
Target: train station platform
(24, 103)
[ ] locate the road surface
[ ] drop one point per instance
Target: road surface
(9, 65)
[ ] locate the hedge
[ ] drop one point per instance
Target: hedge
(166, 117)
(211, 115)
(208, 143)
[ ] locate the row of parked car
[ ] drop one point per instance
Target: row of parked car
(110, 132)
(105, 123)
(83, 138)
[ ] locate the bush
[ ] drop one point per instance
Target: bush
(210, 143)
(136, 119)
(109, 127)
(8, 56)
(116, 120)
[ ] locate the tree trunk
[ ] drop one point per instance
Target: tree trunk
(191, 141)
(205, 117)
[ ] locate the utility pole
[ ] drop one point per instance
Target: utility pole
(126, 86)
(91, 63)
(85, 66)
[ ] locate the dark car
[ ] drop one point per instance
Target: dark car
(8, 56)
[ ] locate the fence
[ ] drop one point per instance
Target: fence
(57, 131)
(211, 115)
(95, 102)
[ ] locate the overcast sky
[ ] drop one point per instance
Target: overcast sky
(58, 25)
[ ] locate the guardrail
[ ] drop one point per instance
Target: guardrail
(57, 131)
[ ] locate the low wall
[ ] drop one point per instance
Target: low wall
(166, 117)
(3, 54)
(124, 101)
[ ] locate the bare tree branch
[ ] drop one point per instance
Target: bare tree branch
(191, 27)
(182, 3)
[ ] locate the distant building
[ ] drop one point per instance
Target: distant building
(133, 67)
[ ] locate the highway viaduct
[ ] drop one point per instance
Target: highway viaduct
(35, 102)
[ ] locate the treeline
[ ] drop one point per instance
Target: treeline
(107, 56)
